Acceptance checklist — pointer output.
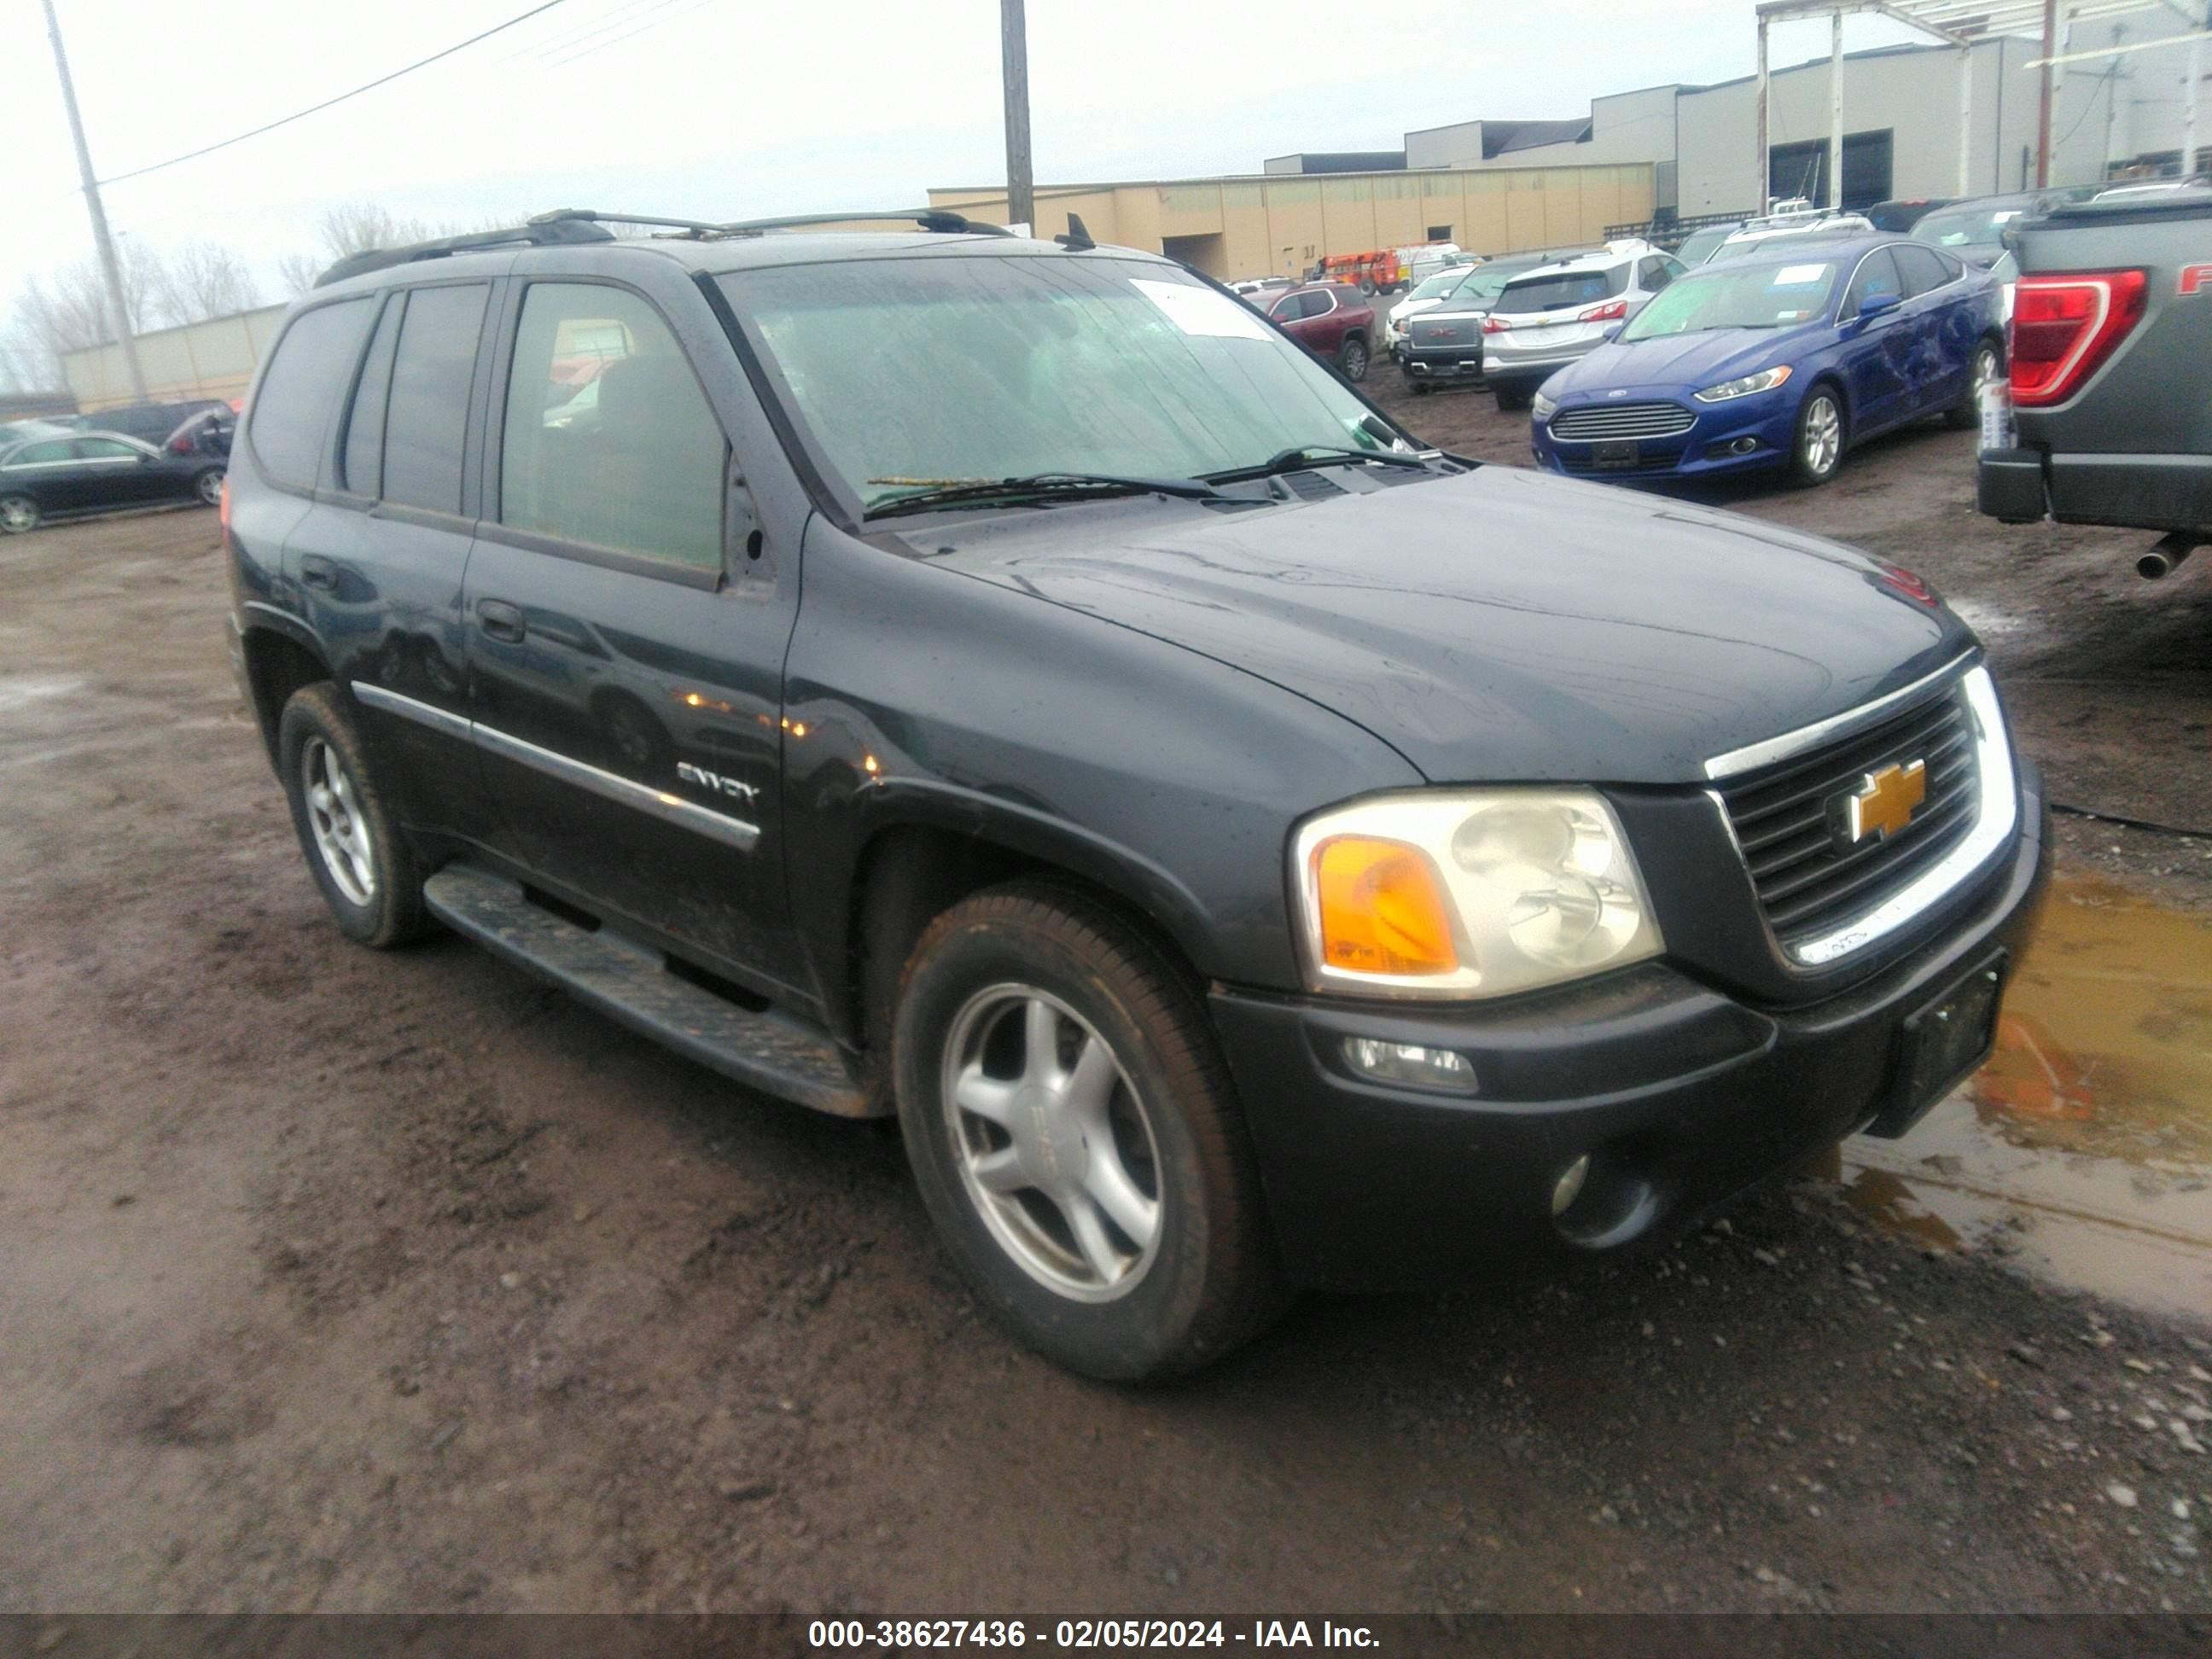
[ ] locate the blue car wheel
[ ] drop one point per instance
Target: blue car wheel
(1819, 448)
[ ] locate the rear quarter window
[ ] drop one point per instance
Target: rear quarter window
(301, 388)
(427, 415)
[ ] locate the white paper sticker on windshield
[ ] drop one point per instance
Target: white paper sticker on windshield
(1792, 276)
(1201, 310)
(2000, 218)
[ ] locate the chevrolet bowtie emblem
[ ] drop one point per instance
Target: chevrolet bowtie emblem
(1885, 801)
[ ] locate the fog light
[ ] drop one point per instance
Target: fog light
(1568, 1188)
(1409, 1062)
(1743, 445)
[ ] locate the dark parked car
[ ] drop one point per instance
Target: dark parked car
(1244, 850)
(1778, 360)
(2108, 422)
(207, 432)
(1335, 321)
(97, 472)
(150, 423)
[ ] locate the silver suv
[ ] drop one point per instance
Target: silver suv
(1548, 318)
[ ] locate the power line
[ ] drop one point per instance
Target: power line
(312, 109)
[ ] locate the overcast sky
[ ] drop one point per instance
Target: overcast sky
(733, 108)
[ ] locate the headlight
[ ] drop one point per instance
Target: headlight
(1469, 893)
(1766, 381)
(1542, 408)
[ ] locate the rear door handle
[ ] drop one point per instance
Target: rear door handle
(501, 621)
(316, 571)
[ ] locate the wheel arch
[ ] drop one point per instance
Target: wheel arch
(279, 660)
(925, 852)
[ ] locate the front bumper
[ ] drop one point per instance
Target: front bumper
(1747, 435)
(1683, 1094)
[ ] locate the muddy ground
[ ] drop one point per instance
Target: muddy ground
(340, 1280)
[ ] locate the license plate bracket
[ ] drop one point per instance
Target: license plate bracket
(1613, 455)
(1942, 1043)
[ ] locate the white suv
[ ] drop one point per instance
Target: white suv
(1549, 316)
(1809, 224)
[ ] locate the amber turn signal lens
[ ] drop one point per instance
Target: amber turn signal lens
(1381, 909)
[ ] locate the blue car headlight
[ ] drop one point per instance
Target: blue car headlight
(1541, 408)
(1766, 381)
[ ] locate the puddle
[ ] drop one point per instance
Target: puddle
(2084, 1147)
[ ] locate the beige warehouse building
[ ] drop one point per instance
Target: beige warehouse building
(1262, 223)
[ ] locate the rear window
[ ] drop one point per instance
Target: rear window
(301, 389)
(428, 407)
(1557, 290)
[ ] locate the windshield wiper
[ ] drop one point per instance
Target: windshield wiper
(1311, 455)
(1034, 486)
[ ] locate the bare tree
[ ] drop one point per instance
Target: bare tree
(202, 280)
(296, 273)
(351, 227)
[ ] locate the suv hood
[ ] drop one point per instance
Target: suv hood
(1677, 359)
(1497, 626)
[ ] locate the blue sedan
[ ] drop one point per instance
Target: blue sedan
(1782, 360)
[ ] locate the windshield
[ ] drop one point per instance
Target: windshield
(1972, 232)
(1740, 296)
(917, 373)
(1557, 290)
(1697, 246)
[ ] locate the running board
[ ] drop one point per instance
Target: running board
(631, 981)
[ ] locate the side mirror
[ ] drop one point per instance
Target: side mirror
(1613, 331)
(1874, 304)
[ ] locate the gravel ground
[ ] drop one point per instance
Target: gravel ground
(348, 1281)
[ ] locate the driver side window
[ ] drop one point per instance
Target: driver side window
(1877, 275)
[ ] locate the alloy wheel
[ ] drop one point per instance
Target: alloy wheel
(209, 485)
(18, 513)
(334, 817)
(1823, 436)
(1985, 371)
(1053, 1143)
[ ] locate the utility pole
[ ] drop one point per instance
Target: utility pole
(1014, 50)
(102, 242)
(2043, 96)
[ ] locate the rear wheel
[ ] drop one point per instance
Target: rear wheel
(354, 851)
(17, 515)
(1818, 449)
(208, 486)
(1988, 364)
(1073, 1133)
(1352, 358)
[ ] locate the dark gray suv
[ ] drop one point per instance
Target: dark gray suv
(1005, 684)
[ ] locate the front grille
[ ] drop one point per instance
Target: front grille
(1810, 880)
(1595, 421)
(1584, 464)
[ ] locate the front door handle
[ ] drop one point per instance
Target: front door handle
(501, 621)
(316, 571)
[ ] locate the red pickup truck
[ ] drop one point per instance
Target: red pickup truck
(1332, 320)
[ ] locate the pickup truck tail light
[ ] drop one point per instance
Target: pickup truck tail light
(1605, 314)
(2064, 327)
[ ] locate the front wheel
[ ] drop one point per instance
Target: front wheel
(1074, 1135)
(208, 486)
(1818, 449)
(1352, 358)
(18, 513)
(1987, 366)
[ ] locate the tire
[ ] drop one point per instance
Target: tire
(208, 486)
(1367, 285)
(1174, 1267)
(1988, 364)
(1352, 358)
(1817, 450)
(354, 850)
(1421, 388)
(1512, 399)
(18, 514)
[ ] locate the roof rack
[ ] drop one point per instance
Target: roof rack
(536, 234)
(571, 226)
